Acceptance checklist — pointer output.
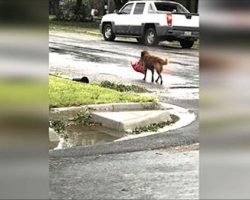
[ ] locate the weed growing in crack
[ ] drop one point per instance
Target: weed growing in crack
(155, 126)
(122, 87)
(83, 118)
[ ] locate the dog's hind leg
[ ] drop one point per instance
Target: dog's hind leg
(145, 74)
(159, 77)
(152, 80)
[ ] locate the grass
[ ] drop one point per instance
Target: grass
(123, 88)
(156, 126)
(91, 28)
(197, 44)
(83, 118)
(64, 93)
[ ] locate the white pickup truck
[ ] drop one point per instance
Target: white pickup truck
(152, 21)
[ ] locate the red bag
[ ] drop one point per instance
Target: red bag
(137, 67)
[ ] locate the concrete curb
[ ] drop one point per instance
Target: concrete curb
(122, 117)
(186, 118)
(66, 112)
(144, 141)
(128, 121)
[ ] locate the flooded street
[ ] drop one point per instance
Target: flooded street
(101, 60)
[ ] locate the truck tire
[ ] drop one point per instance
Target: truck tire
(186, 44)
(150, 38)
(108, 33)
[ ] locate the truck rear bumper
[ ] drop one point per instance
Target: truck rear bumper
(177, 33)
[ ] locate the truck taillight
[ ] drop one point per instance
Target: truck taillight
(169, 19)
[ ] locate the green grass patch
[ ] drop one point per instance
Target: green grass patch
(197, 44)
(123, 88)
(156, 126)
(91, 28)
(64, 92)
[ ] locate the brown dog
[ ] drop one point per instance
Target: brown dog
(152, 63)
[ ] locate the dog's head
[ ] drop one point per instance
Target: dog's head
(143, 54)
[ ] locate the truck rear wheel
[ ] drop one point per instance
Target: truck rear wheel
(186, 44)
(108, 33)
(150, 37)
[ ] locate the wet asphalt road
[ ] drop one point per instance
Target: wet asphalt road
(101, 60)
(139, 175)
(117, 174)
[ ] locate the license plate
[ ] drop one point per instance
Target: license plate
(187, 33)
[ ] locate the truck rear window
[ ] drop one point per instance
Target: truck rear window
(170, 7)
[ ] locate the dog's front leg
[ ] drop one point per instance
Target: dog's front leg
(145, 74)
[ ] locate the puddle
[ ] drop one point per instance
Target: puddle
(87, 55)
(78, 135)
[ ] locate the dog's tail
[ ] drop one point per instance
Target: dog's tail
(165, 62)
